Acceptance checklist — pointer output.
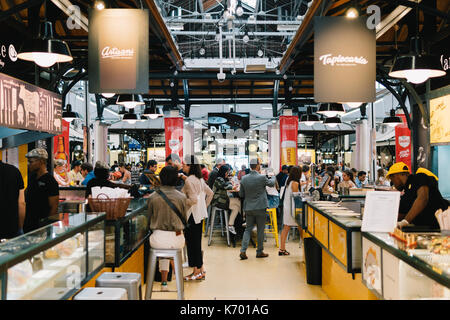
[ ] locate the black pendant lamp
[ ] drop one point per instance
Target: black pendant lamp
(331, 109)
(69, 115)
(392, 120)
(309, 118)
(45, 51)
(130, 117)
(151, 111)
(130, 101)
(332, 122)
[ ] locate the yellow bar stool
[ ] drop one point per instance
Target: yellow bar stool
(273, 225)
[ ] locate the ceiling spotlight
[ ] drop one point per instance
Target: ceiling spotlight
(392, 120)
(260, 52)
(202, 51)
(130, 101)
(172, 84)
(239, 9)
(331, 109)
(99, 5)
(46, 51)
(246, 38)
(352, 13)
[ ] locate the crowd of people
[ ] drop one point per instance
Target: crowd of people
(185, 192)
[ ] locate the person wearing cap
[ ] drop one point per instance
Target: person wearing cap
(42, 193)
(421, 197)
(60, 173)
(75, 176)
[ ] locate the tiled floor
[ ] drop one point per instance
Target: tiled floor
(229, 278)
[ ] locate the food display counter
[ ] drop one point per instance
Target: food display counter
(54, 261)
(72, 199)
(415, 268)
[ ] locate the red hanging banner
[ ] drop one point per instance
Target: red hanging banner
(173, 128)
(403, 142)
(61, 144)
(288, 140)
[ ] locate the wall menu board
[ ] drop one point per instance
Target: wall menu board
(439, 117)
(25, 106)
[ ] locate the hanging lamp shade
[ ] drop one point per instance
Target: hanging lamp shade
(352, 105)
(392, 120)
(130, 117)
(130, 101)
(45, 51)
(331, 109)
(309, 119)
(332, 122)
(68, 114)
(108, 95)
(151, 111)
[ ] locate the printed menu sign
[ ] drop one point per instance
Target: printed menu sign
(344, 60)
(118, 51)
(25, 106)
(380, 211)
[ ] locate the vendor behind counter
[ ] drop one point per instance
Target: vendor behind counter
(421, 197)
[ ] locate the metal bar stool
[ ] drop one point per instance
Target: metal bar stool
(177, 256)
(272, 225)
(127, 280)
(223, 216)
(102, 294)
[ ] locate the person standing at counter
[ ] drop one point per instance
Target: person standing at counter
(166, 224)
(148, 177)
(421, 197)
(12, 197)
(42, 193)
(87, 172)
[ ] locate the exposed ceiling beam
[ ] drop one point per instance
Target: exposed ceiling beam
(237, 76)
(391, 19)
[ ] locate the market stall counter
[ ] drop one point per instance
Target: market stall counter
(413, 265)
(54, 261)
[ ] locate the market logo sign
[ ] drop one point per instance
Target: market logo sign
(8, 54)
(344, 60)
(118, 51)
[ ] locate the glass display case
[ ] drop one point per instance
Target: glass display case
(54, 261)
(419, 270)
(337, 229)
(125, 235)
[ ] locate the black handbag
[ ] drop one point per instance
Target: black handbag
(174, 208)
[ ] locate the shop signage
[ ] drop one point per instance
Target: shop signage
(173, 128)
(403, 142)
(118, 51)
(61, 144)
(439, 115)
(25, 106)
(8, 54)
(344, 60)
(288, 140)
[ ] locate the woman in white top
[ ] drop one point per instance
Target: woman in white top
(199, 196)
(292, 185)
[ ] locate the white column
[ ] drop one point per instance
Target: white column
(188, 139)
(274, 146)
(100, 141)
(363, 146)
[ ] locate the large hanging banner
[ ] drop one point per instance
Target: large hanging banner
(61, 144)
(288, 140)
(403, 142)
(344, 60)
(173, 128)
(25, 106)
(118, 51)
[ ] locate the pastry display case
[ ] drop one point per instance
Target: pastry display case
(407, 265)
(54, 261)
(125, 235)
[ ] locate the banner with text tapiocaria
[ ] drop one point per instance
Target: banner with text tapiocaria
(403, 142)
(118, 51)
(288, 140)
(173, 128)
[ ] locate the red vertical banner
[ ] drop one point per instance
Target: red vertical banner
(403, 142)
(288, 140)
(173, 128)
(61, 144)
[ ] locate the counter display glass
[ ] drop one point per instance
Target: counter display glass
(419, 270)
(53, 262)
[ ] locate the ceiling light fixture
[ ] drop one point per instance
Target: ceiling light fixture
(239, 9)
(151, 111)
(45, 51)
(260, 52)
(352, 105)
(309, 118)
(352, 13)
(130, 101)
(331, 109)
(332, 122)
(130, 117)
(69, 115)
(392, 120)
(108, 95)
(99, 5)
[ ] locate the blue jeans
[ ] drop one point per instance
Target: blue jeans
(257, 217)
(274, 201)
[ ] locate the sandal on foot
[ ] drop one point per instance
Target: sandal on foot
(283, 253)
(192, 276)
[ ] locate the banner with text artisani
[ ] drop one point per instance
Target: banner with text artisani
(344, 60)
(118, 51)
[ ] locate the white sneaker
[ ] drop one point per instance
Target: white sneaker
(164, 286)
(231, 229)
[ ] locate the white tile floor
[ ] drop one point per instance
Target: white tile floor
(229, 278)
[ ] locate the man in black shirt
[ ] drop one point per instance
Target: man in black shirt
(283, 175)
(215, 172)
(42, 193)
(421, 198)
(12, 199)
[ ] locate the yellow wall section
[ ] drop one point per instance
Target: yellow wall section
(338, 242)
(321, 229)
(135, 263)
(339, 285)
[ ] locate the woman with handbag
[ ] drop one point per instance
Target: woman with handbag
(167, 211)
(199, 196)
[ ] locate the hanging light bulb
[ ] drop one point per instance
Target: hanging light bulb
(99, 5)
(202, 51)
(246, 38)
(260, 52)
(239, 9)
(352, 13)
(392, 120)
